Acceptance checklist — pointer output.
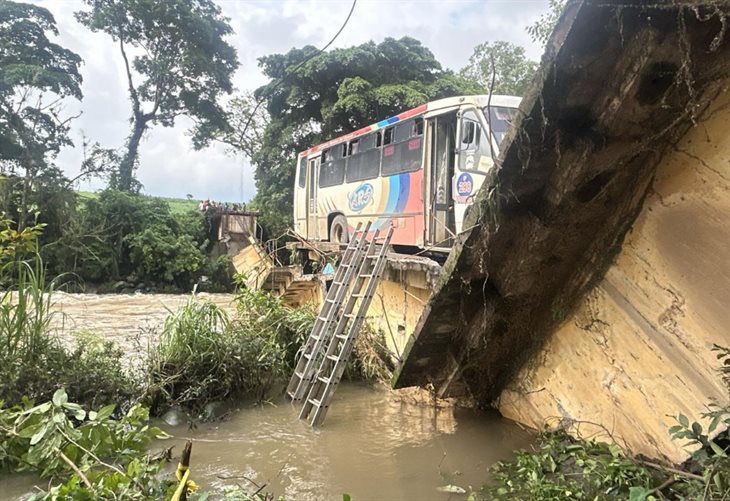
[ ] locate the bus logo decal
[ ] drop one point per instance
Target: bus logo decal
(464, 185)
(361, 197)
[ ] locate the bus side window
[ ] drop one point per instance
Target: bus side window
(388, 135)
(302, 171)
(379, 139)
(344, 150)
(417, 127)
(364, 160)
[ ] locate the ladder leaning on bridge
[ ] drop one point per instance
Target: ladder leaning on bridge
(330, 343)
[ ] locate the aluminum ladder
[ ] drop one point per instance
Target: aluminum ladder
(332, 363)
(326, 320)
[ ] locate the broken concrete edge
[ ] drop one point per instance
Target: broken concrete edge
(486, 199)
(634, 161)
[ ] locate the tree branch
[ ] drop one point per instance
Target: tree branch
(75, 469)
(132, 90)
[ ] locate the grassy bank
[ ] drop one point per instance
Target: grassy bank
(177, 205)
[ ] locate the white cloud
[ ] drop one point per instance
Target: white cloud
(168, 164)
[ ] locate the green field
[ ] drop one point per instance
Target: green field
(177, 205)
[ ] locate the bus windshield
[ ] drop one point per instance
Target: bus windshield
(500, 117)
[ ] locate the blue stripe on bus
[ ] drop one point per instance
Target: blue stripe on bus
(382, 123)
(404, 183)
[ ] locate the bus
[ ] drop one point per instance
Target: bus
(417, 171)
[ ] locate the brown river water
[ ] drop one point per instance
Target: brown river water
(375, 444)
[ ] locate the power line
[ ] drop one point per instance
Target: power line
(302, 63)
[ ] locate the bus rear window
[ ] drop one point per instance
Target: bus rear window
(500, 117)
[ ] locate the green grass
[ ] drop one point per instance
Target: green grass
(177, 205)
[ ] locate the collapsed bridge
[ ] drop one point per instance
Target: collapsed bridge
(596, 276)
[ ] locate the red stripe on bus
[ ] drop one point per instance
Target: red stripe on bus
(414, 111)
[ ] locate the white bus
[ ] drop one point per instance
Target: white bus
(417, 171)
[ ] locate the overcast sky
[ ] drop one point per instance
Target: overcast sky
(168, 164)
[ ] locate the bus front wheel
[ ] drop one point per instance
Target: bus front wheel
(338, 230)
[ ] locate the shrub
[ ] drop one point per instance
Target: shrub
(103, 458)
(158, 254)
(204, 357)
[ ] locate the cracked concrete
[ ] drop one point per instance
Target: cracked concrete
(642, 338)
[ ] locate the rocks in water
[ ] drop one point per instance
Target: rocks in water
(175, 416)
(451, 489)
(120, 286)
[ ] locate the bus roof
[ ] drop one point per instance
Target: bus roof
(479, 100)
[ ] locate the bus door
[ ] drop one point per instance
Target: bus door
(442, 140)
(312, 180)
(474, 160)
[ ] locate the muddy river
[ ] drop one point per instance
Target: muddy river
(376, 444)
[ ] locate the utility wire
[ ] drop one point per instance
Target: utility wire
(302, 63)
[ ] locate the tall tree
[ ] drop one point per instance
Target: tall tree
(314, 96)
(181, 64)
(503, 63)
(35, 77)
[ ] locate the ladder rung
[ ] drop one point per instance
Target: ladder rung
(334, 358)
(358, 295)
(300, 375)
(349, 315)
(308, 356)
(330, 300)
(336, 283)
(323, 379)
(341, 336)
(315, 402)
(367, 275)
(320, 317)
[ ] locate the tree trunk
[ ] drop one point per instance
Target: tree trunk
(126, 167)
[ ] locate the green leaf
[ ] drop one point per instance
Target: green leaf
(697, 428)
(105, 412)
(60, 397)
(38, 435)
(683, 420)
(346, 497)
(717, 449)
(29, 431)
(638, 493)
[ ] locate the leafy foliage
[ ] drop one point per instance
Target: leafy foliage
(35, 77)
(59, 438)
(205, 357)
(561, 468)
(314, 96)
(181, 58)
(119, 235)
(541, 29)
(503, 62)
